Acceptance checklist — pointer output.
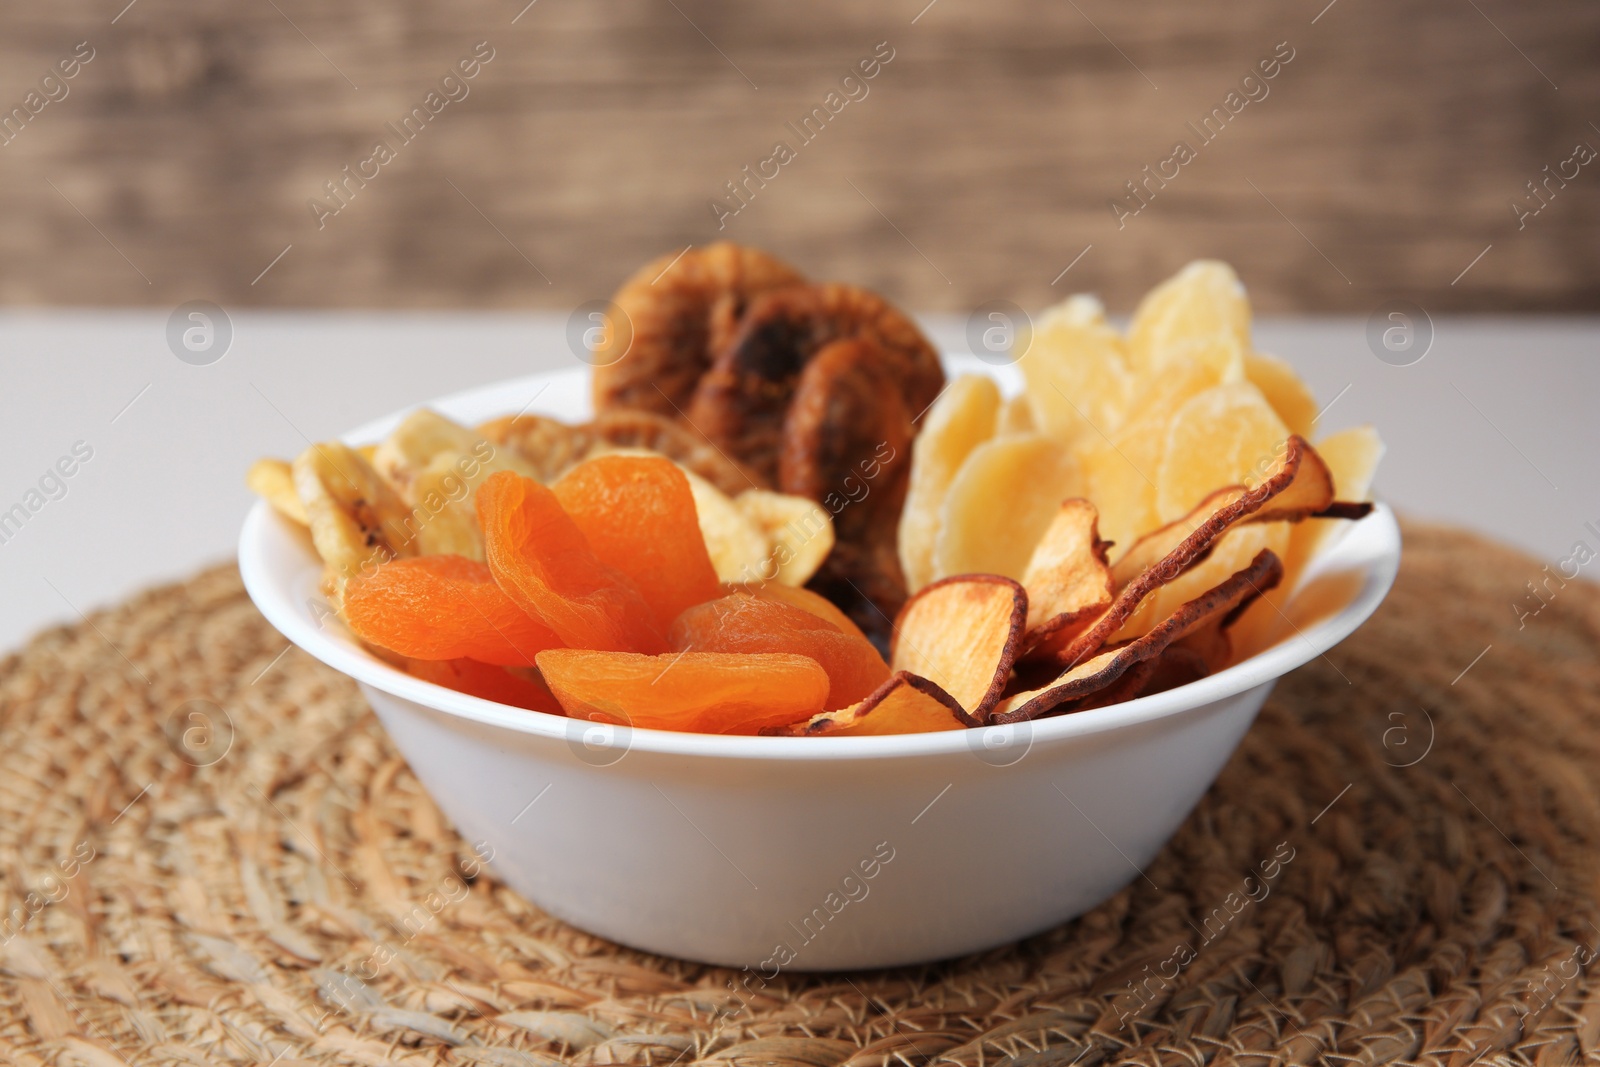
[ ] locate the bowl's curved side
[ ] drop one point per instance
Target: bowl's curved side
(814, 865)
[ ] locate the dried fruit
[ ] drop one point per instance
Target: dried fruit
(704, 692)
(1284, 390)
(1015, 416)
(1227, 435)
(540, 557)
(423, 437)
(1067, 577)
(741, 402)
(1199, 316)
(551, 447)
(1231, 552)
(740, 550)
(1095, 674)
(900, 706)
(1001, 502)
(444, 516)
(638, 516)
(1298, 486)
(962, 634)
(357, 520)
(499, 684)
(847, 444)
(1352, 457)
(621, 428)
(799, 530)
(805, 600)
(443, 607)
(676, 313)
(1120, 470)
(273, 481)
(1079, 382)
(741, 622)
(958, 422)
(735, 378)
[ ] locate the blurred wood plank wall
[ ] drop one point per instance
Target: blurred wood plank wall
(983, 159)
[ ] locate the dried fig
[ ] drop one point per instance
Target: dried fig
(679, 311)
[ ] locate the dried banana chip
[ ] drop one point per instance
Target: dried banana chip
(740, 550)
(800, 532)
(412, 445)
(273, 481)
(356, 518)
(1067, 575)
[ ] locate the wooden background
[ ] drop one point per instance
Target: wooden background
(982, 162)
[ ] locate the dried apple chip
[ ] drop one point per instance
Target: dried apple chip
(1232, 552)
(540, 557)
(1298, 487)
(638, 515)
(1094, 675)
(1067, 575)
(703, 692)
(900, 706)
(443, 607)
(1352, 456)
(963, 634)
(741, 622)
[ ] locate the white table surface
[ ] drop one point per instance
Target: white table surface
(1494, 429)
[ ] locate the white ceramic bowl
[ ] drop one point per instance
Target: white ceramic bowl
(807, 854)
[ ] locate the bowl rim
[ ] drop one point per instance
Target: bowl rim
(1369, 547)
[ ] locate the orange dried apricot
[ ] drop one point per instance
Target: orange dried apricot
(443, 607)
(639, 517)
(802, 598)
(704, 692)
(487, 681)
(745, 623)
(543, 561)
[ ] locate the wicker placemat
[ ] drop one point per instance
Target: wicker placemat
(222, 848)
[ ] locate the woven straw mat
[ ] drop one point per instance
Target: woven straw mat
(1435, 775)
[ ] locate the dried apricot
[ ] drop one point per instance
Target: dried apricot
(804, 599)
(443, 607)
(638, 515)
(476, 679)
(704, 692)
(542, 560)
(744, 623)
